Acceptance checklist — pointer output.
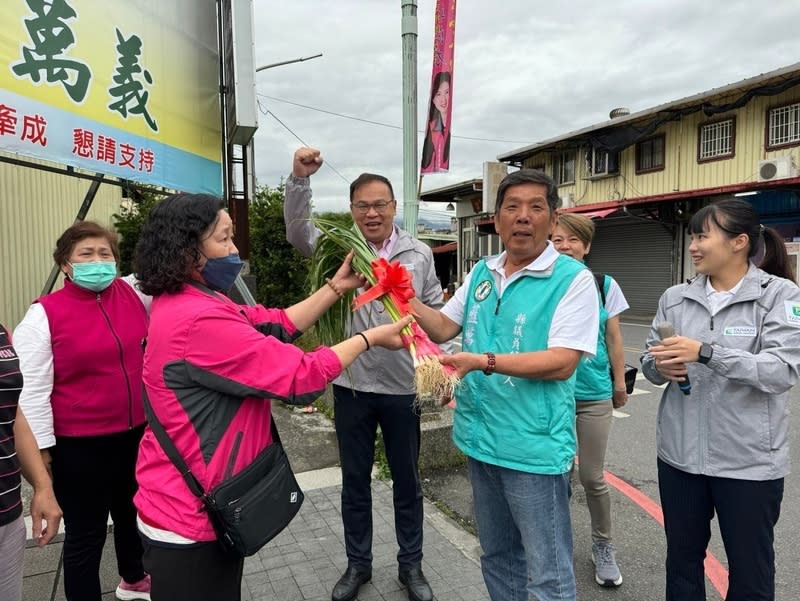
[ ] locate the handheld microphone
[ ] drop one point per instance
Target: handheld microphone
(667, 330)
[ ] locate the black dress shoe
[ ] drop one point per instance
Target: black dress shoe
(418, 587)
(352, 579)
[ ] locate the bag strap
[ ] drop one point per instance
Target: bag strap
(172, 452)
(600, 278)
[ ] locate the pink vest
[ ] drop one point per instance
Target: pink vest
(97, 358)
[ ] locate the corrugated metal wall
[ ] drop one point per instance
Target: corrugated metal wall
(35, 208)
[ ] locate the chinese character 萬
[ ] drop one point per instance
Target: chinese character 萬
(51, 37)
(131, 97)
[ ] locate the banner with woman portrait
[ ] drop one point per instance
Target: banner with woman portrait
(436, 148)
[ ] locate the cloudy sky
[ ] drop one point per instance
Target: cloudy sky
(524, 71)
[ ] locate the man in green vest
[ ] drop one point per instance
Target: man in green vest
(527, 317)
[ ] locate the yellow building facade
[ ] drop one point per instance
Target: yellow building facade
(643, 175)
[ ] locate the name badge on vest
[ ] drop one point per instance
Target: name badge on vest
(483, 290)
(744, 331)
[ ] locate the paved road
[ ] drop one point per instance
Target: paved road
(640, 539)
(631, 456)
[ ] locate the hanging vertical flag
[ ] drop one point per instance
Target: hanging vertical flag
(436, 148)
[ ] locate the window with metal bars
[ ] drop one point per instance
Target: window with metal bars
(783, 126)
(716, 140)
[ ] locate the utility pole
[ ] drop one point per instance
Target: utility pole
(410, 162)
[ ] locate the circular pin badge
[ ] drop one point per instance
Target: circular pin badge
(483, 290)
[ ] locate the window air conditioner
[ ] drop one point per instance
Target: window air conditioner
(779, 168)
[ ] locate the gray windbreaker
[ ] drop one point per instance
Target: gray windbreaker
(735, 423)
(380, 370)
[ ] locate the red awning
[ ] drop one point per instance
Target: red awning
(601, 213)
(445, 248)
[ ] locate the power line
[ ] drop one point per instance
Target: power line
(389, 125)
(274, 116)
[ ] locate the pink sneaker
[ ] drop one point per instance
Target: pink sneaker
(134, 592)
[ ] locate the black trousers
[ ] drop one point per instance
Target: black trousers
(358, 415)
(747, 512)
(202, 572)
(92, 477)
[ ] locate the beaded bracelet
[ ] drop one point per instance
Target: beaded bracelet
(334, 287)
(491, 364)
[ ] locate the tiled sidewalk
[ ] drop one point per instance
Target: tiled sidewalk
(305, 560)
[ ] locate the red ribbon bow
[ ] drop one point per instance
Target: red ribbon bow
(392, 280)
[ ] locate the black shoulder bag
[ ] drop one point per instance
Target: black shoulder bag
(251, 508)
(630, 370)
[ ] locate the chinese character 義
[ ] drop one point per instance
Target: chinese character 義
(131, 97)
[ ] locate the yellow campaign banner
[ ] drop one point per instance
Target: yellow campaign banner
(129, 88)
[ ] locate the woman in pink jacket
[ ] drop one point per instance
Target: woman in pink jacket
(210, 369)
(80, 352)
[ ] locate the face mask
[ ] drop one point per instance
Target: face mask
(220, 272)
(94, 275)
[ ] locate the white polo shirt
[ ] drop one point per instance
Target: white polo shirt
(577, 316)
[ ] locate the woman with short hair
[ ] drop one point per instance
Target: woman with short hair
(80, 351)
(597, 394)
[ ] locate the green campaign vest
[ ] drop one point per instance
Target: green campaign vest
(592, 378)
(518, 423)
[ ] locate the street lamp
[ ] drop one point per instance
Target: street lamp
(289, 62)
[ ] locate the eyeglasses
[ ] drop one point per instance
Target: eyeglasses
(364, 207)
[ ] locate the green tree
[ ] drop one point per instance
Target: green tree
(128, 223)
(281, 272)
(344, 219)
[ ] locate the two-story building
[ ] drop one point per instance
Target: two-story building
(642, 175)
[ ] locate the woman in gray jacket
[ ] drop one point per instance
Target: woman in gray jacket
(723, 421)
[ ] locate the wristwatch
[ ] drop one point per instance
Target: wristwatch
(706, 352)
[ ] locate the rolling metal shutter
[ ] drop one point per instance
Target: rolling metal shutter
(639, 255)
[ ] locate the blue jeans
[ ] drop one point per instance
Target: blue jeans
(525, 533)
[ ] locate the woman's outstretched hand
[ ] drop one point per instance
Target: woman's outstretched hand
(388, 335)
(346, 278)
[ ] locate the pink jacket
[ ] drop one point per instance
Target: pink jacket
(210, 369)
(97, 358)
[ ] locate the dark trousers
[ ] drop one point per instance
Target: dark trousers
(92, 477)
(747, 512)
(358, 415)
(202, 572)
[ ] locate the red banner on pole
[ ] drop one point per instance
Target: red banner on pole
(436, 148)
